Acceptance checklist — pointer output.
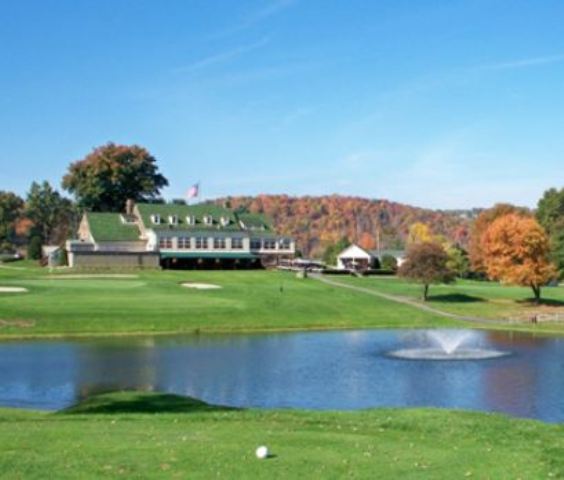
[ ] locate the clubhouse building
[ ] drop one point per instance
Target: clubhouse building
(203, 236)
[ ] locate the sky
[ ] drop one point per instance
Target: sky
(441, 104)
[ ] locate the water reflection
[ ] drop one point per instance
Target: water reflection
(329, 370)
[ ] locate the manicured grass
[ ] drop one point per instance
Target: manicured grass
(156, 302)
(474, 298)
(162, 436)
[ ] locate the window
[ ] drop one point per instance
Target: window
(184, 242)
(165, 242)
(284, 244)
(173, 219)
(219, 243)
(191, 220)
(236, 243)
(128, 219)
(269, 244)
(208, 220)
(201, 243)
(256, 244)
(224, 221)
(156, 219)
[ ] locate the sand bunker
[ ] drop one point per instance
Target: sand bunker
(201, 286)
(17, 323)
(13, 289)
(101, 275)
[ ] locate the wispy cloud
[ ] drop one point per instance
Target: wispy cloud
(269, 9)
(524, 63)
(222, 57)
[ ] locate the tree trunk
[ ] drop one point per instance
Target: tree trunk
(537, 292)
(425, 292)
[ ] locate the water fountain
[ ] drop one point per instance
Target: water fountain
(447, 345)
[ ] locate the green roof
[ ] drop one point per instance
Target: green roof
(198, 212)
(255, 220)
(108, 227)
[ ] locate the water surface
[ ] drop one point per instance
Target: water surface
(313, 370)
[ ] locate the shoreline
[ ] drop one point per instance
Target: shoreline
(511, 328)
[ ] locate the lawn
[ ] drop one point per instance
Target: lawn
(138, 435)
(475, 298)
(155, 301)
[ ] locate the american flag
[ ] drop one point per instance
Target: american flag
(193, 191)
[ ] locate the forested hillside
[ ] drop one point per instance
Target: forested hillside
(317, 222)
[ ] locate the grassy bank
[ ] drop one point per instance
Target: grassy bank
(163, 436)
(155, 301)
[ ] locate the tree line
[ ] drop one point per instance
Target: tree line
(507, 243)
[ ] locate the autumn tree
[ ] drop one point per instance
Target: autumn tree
(111, 174)
(50, 213)
(10, 210)
(481, 224)
(317, 222)
(367, 241)
(550, 214)
(516, 250)
(419, 233)
(426, 263)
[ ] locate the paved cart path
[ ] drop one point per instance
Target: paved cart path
(406, 301)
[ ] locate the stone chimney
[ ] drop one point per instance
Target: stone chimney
(129, 204)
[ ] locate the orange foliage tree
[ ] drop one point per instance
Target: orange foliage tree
(367, 241)
(484, 220)
(516, 250)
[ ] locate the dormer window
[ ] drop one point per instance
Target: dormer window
(224, 221)
(208, 220)
(156, 219)
(173, 219)
(128, 219)
(191, 220)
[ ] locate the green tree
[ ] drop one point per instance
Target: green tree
(426, 263)
(458, 261)
(10, 210)
(111, 174)
(389, 262)
(50, 213)
(34, 248)
(550, 214)
(333, 250)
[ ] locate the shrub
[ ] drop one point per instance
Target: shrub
(389, 262)
(34, 248)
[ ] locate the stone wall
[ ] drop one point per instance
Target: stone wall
(114, 259)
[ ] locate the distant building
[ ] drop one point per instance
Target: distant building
(357, 258)
(178, 236)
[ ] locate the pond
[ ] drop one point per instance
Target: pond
(341, 370)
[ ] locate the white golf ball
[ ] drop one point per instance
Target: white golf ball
(262, 452)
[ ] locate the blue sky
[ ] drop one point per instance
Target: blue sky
(442, 104)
